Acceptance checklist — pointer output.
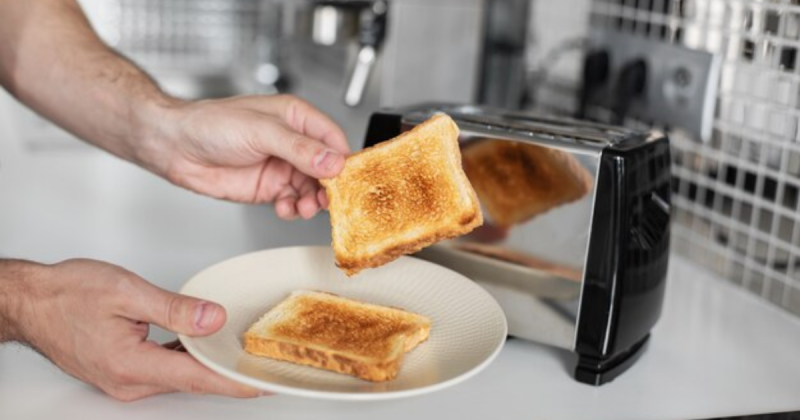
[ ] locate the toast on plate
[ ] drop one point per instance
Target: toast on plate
(400, 196)
(330, 332)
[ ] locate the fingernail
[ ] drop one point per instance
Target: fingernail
(265, 394)
(204, 315)
(325, 159)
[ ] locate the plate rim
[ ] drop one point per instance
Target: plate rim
(187, 343)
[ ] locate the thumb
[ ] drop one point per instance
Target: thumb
(181, 314)
(312, 157)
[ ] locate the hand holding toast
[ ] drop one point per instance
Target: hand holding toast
(92, 320)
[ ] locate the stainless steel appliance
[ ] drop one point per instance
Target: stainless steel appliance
(351, 58)
(587, 274)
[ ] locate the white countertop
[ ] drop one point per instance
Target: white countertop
(717, 350)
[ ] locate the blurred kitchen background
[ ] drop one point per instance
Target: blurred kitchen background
(722, 77)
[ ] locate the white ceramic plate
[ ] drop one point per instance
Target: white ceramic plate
(468, 326)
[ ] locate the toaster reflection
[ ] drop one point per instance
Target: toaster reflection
(517, 181)
(537, 203)
(529, 253)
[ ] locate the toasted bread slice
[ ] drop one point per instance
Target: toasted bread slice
(400, 196)
(516, 181)
(330, 332)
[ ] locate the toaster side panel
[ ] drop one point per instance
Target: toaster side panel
(627, 262)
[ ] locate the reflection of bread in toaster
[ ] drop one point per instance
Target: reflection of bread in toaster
(334, 333)
(400, 196)
(516, 181)
(488, 233)
(519, 258)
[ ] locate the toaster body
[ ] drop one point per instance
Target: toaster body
(575, 242)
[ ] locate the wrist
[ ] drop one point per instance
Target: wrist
(16, 288)
(155, 132)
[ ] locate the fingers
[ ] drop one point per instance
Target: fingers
(274, 180)
(311, 157)
(307, 205)
(302, 117)
(167, 370)
(174, 312)
(322, 198)
(286, 204)
(292, 206)
(293, 192)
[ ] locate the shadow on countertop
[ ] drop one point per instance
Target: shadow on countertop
(792, 415)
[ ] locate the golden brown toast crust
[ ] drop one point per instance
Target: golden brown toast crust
(358, 330)
(517, 181)
(400, 196)
(304, 355)
(351, 266)
(342, 335)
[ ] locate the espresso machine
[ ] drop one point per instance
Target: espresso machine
(353, 57)
(575, 242)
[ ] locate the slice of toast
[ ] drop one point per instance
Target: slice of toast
(516, 181)
(330, 332)
(400, 196)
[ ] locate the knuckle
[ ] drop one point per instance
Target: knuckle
(126, 282)
(296, 110)
(120, 375)
(196, 387)
(289, 99)
(300, 147)
(76, 264)
(123, 394)
(122, 291)
(299, 104)
(172, 317)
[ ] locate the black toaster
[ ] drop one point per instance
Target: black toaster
(575, 242)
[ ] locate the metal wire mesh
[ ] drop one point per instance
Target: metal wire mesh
(737, 200)
(193, 48)
(195, 36)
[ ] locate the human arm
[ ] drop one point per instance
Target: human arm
(248, 149)
(10, 297)
(92, 319)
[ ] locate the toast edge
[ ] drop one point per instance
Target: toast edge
(307, 356)
(352, 266)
